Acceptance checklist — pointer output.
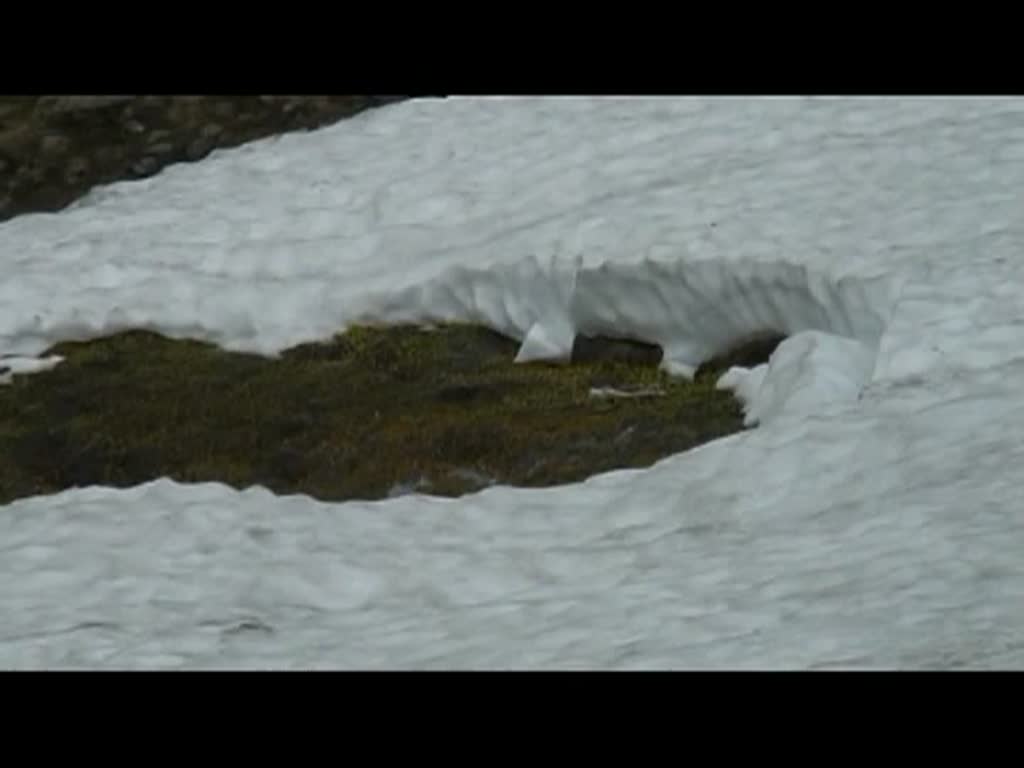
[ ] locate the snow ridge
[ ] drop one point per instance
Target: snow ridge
(693, 309)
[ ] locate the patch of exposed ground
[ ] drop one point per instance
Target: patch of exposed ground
(372, 413)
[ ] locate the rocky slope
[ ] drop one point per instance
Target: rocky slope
(53, 149)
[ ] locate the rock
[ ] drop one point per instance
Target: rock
(224, 110)
(64, 104)
(77, 170)
(30, 173)
(198, 149)
(379, 101)
(204, 144)
(145, 166)
(745, 353)
(163, 148)
(16, 142)
(54, 144)
(590, 349)
(461, 393)
(109, 157)
(134, 126)
(158, 137)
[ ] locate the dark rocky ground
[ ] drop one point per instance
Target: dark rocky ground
(55, 148)
(372, 412)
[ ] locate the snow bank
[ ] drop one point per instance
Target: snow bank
(16, 364)
(848, 539)
(806, 372)
(693, 309)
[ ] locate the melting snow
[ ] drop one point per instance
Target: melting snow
(871, 520)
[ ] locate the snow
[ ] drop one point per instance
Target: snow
(807, 372)
(11, 364)
(868, 521)
(693, 308)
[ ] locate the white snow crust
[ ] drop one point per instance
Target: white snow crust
(872, 519)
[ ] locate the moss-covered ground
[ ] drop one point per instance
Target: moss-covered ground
(375, 410)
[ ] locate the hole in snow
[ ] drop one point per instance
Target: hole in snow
(533, 375)
(375, 413)
(692, 312)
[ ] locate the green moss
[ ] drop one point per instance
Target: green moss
(348, 419)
